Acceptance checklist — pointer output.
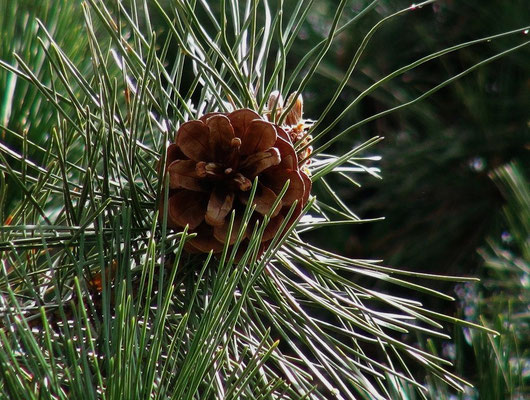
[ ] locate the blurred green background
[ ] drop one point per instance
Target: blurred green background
(454, 166)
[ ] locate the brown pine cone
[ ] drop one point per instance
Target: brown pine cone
(212, 165)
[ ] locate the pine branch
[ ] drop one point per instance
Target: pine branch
(100, 298)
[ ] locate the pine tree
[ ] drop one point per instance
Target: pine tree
(102, 299)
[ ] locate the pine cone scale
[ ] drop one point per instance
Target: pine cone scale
(276, 178)
(259, 136)
(183, 175)
(263, 200)
(221, 136)
(187, 208)
(241, 119)
(193, 139)
(253, 165)
(219, 205)
(272, 227)
(221, 232)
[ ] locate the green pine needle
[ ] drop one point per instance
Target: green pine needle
(99, 299)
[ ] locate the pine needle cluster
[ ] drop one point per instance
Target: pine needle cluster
(99, 298)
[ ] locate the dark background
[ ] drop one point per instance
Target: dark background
(436, 195)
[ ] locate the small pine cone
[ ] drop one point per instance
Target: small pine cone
(274, 104)
(294, 125)
(211, 167)
(294, 117)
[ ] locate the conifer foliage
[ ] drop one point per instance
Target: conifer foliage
(107, 291)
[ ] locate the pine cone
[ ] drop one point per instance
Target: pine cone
(294, 125)
(212, 165)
